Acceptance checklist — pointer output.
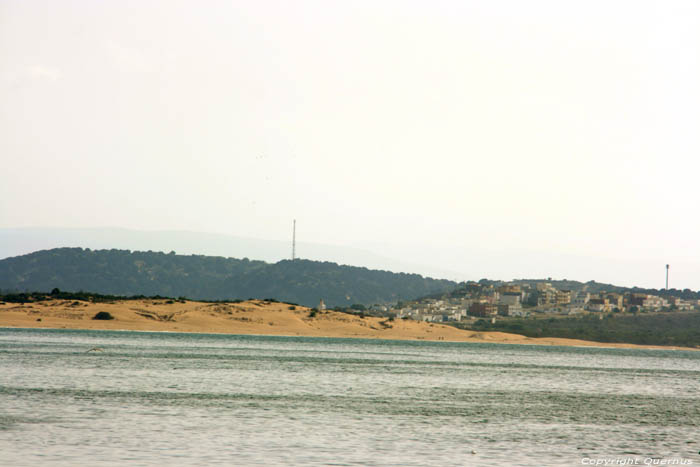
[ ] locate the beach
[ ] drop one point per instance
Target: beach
(251, 317)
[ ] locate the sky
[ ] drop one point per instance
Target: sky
(499, 139)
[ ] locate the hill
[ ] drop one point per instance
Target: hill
(123, 272)
(25, 240)
(598, 287)
(592, 287)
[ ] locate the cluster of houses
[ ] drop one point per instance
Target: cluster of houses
(489, 301)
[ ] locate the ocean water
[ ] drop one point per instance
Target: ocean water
(202, 399)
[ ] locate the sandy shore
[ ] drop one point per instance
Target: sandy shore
(250, 317)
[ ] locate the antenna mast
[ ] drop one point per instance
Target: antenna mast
(294, 240)
(667, 266)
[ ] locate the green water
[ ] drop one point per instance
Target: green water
(196, 399)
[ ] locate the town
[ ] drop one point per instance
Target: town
(486, 299)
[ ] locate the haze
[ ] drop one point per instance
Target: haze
(499, 139)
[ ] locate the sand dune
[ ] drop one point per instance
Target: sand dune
(249, 317)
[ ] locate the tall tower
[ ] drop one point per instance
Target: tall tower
(667, 276)
(294, 240)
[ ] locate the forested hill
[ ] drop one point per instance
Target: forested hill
(122, 272)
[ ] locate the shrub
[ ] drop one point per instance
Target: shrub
(103, 315)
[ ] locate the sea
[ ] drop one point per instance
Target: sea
(112, 398)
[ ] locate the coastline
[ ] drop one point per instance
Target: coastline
(257, 317)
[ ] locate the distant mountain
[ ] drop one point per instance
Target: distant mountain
(122, 272)
(21, 241)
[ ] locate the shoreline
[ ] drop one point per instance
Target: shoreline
(260, 318)
(530, 340)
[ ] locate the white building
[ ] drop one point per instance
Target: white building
(581, 299)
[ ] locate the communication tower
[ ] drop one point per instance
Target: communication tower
(294, 240)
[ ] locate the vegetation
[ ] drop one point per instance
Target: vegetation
(667, 328)
(125, 273)
(29, 297)
(353, 312)
(103, 315)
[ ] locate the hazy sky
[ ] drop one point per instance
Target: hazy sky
(498, 139)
